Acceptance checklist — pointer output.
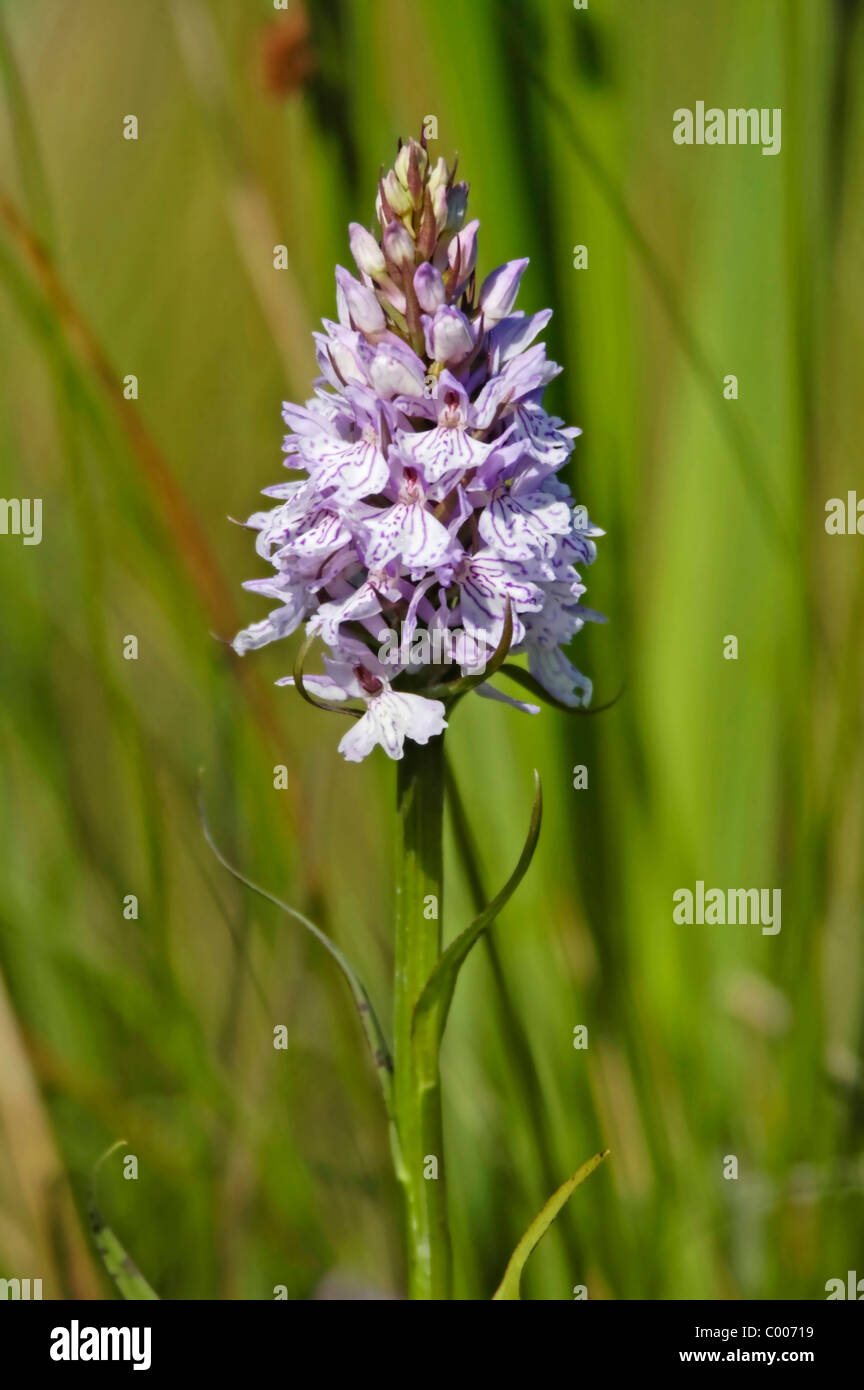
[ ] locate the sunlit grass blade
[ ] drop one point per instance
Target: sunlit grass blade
(74, 351)
(180, 519)
(280, 297)
(744, 450)
(119, 1264)
(509, 1287)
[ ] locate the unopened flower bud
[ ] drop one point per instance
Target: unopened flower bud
(345, 362)
(366, 251)
(439, 177)
(358, 307)
(462, 256)
(411, 165)
(397, 371)
(398, 245)
(439, 207)
(499, 290)
(429, 288)
(448, 335)
(398, 197)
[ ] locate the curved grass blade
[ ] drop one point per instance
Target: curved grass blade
(433, 1006)
(122, 1268)
(527, 681)
(372, 1029)
(508, 1289)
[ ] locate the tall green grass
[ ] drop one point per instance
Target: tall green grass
(260, 1167)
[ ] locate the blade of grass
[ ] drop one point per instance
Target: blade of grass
(178, 519)
(121, 1267)
(36, 1168)
(433, 1005)
(730, 423)
(181, 522)
(374, 1033)
(509, 1288)
(279, 295)
(28, 157)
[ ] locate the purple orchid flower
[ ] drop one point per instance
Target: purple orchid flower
(391, 715)
(427, 499)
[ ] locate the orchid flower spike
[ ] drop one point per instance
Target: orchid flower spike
(424, 503)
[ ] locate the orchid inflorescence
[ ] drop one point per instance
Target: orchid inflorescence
(427, 499)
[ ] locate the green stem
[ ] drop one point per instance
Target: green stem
(417, 1107)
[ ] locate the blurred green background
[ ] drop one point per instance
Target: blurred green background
(154, 257)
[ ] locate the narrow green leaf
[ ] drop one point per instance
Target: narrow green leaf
(122, 1268)
(372, 1029)
(509, 1286)
(512, 1029)
(433, 1006)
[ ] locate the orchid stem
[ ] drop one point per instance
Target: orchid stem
(417, 1106)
